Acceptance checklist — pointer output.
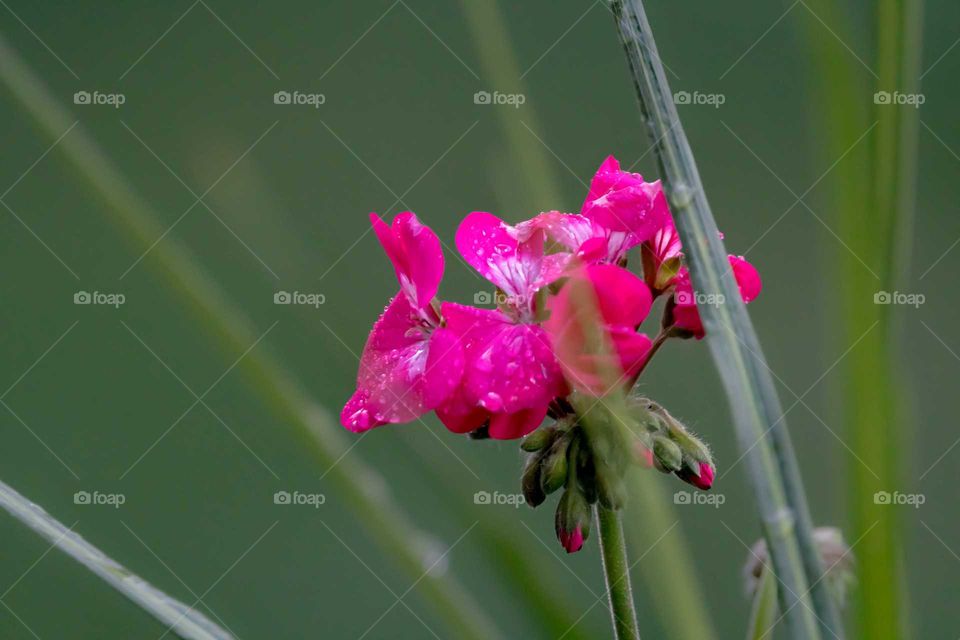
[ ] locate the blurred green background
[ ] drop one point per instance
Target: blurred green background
(106, 399)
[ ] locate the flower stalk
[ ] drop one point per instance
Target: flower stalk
(616, 571)
(734, 345)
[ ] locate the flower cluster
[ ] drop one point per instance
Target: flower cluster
(566, 323)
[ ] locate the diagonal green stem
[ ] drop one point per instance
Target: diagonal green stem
(364, 490)
(733, 341)
(183, 620)
(617, 573)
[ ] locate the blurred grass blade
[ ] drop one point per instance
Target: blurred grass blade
(498, 62)
(364, 490)
(648, 512)
(670, 573)
(763, 613)
(185, 621)
(733, 342)
(874, 197)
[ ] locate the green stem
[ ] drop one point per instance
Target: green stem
(732, 339)
(617, 574)
(363, 489)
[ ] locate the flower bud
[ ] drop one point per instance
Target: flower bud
(838, 561)
(572, 520)
(539, 439)
(554, 474)
(530, 482)
(667, 454)
(698, 474)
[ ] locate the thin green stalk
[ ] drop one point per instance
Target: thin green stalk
(616, 570)
(732, 339)
(364, 490)
(182, 619)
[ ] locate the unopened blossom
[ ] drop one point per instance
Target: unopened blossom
(686, 317)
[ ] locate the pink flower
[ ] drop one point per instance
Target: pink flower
(410, 363)
(510, 374)
(685, 314)
(622, 302)
(620, 212)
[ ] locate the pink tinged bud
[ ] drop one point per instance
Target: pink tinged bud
(703, 481)
(572, 541)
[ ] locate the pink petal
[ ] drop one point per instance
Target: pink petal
(415, 252)
(509, 366)
(685, 313)
(748, 278)
(622, 201)
(509, 426)
(623, 302)
(510, 258)
(397, 362)
(623, 297)
(569, 229)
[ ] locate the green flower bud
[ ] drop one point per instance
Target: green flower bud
(554, 473)
(667, 454)
(539, 439)
(530, 482)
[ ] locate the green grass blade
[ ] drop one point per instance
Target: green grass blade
(363, 489)
(183, 620)
(732, 339)
(874, 197)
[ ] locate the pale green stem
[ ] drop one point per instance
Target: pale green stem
(616, 571)
(363, 490)
(731, 337)
(182, 619)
